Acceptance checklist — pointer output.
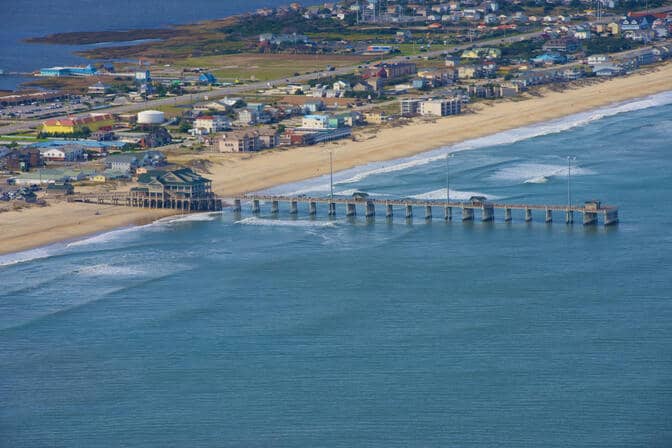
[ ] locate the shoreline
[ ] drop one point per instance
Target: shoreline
(234, 174)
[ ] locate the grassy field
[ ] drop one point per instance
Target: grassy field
(264, 67)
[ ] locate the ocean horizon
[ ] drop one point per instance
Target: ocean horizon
(238, 330)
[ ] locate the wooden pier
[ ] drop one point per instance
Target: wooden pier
(590, 211)
(185, 204)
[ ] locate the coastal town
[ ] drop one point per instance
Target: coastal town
(334, 75)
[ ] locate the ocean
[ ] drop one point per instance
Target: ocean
(223, 330)
(24, 19)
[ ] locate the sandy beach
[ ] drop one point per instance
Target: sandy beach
(233, 174)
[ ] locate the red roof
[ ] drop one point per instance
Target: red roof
(77, 120)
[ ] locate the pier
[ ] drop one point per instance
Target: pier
(591, 212)
(198, 204)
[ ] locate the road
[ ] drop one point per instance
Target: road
(237, 89)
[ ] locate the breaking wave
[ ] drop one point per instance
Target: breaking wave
(537, 173)
(454, 194)
(358, 174)
(254, 221)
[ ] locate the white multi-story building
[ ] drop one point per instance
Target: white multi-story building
(212, 123)
(441, 108)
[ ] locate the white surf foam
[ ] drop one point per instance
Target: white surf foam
(194, 217)
(107, 270)
(321, 184)
(30, 255)
(454, 194)
(255, 221)
(536, 173)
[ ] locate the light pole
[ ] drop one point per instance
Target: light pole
(448, 156)
(331, 174)
(569, 181)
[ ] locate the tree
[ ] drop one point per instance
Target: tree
(184, 126)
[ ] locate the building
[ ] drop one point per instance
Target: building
(375, 117)
(178, 184)
(268, 138)
(66, 153)
(410, 107)
(207, 78)
(212, 123)
(92, 122)
(122, 162)
(238, 141)
(441, 107)
(23, 159)
(280, 39)
(98, 89)
(89, 70)
(247, 117)
(315, 122)
(49, 176)
(482, 53)
(399, 70)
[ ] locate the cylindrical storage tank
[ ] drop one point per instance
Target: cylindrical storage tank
(151, 117)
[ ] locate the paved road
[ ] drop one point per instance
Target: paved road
(224, 91)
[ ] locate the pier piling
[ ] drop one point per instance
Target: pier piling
(569, 217)
(589, 218)
(275, 207)
(549, 215)
(428, 212)
(332, 209)
(487, 213)
(409, 211)
(237, 207)
(389, 211)
(528, 215)
(467, 214)
(370, 209)
(255, 206)
(350, 209)
(293, 207)
(507, 215)
(448, 213)
(312, 208)
(611, 217)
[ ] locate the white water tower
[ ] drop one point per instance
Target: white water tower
(151, 117)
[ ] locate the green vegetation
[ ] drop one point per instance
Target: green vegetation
(609, 45)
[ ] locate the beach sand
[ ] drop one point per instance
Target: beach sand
(233, 174)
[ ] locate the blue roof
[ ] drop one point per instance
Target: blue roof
(87, 143)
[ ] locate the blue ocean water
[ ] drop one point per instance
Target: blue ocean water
(24, 19)
(224, 330)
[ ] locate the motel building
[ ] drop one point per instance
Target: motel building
(93, 122)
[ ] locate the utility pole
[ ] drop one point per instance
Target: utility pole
(331, 174)
(448, 156)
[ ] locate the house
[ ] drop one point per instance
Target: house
(441, 107)
(549, 59)
(482, 53)
(66, 153)
(212, 123)
(375, 117)
(313, 106)
(122, 162)
(152, 158)
(399, 70)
